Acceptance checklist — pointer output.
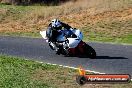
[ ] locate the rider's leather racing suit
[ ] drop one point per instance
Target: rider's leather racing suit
(52, 33)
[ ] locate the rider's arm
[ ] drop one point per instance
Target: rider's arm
(65, 25)
(49, 26)
(48, 32)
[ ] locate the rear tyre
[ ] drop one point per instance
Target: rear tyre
(90, 52)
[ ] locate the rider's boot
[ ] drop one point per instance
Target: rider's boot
(58, 51)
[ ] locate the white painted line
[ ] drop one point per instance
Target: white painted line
(39, 62)
(74, 68)
(71, 67)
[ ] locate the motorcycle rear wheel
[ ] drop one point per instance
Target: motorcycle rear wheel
(90, 52)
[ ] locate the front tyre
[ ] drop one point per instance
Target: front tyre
(90, 52)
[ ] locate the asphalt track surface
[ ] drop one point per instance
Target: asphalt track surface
(111, 58)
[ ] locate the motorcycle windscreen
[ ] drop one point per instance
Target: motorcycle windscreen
(78, 33)
(61, 38)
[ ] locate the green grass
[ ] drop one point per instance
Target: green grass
(19, 73)
(22, 34)
(114, 31)
(127, 39)
(10, 12)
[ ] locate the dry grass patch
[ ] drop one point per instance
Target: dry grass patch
(91, 16)
(59, 78)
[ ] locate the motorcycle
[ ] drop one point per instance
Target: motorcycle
(70, 43)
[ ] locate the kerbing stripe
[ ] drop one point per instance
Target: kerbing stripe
(76, 68)
(71, 67)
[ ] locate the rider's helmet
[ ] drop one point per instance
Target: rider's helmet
(56, 24)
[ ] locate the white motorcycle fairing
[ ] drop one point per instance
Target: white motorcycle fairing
(72, 42)
(43, 34)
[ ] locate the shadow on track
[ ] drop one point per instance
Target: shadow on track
(108, 57)
(100, 57)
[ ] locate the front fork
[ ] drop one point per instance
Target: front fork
(62, 47)
(57, 47)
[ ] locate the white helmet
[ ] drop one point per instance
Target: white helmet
(56, 24)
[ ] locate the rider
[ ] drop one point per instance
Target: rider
(53, 28)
